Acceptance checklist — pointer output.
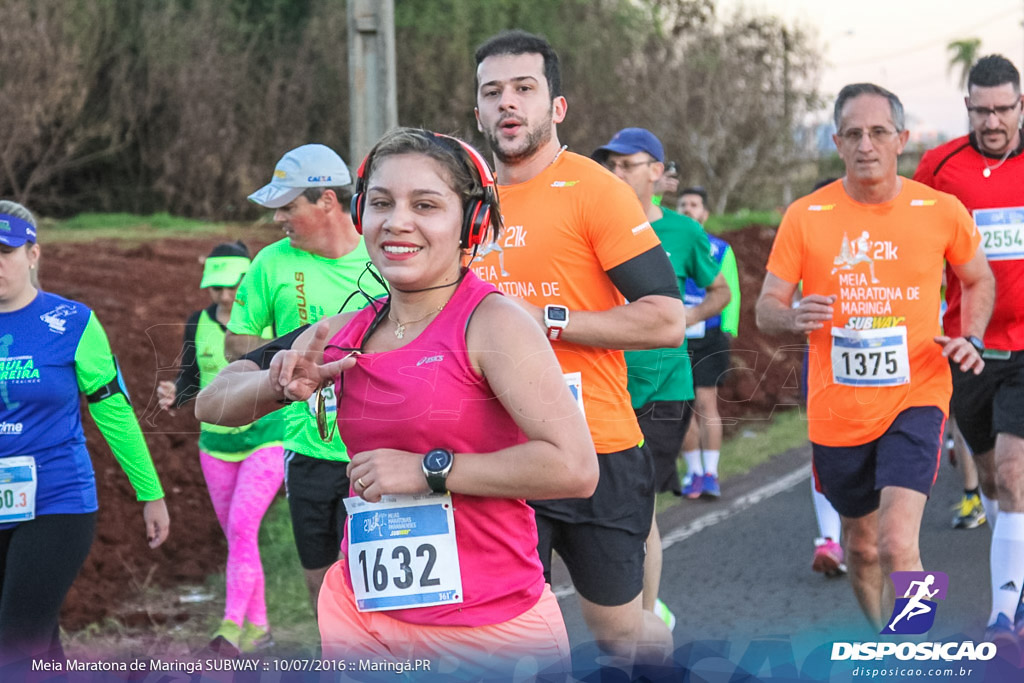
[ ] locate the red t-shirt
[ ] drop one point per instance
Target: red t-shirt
(958, 167)
(883, 263)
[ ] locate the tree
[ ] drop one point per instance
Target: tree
(963, 54)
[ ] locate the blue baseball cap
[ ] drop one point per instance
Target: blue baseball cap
(302, 168)
(630, 141)
(15, 231)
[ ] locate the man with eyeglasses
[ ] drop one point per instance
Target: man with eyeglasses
(879, 371)
(985, 169)
(660, 380)
(293, 283)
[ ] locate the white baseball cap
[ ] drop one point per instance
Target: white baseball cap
(302, 168)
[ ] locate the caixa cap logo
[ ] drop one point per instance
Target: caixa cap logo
(914, 613)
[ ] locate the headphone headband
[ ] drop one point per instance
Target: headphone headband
(476, 211)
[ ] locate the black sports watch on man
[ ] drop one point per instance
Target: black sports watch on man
(437, 464)
(978, 344)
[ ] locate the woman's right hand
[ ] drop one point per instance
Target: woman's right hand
(166, 392)
(297, 375)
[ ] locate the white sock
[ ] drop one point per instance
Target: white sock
(829, 525)
(693, 464)
(711, 462)
(991, 506)
(1006, 560)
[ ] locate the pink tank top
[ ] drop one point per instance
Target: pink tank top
(426, 395)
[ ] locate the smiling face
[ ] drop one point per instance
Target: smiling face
(514, 107)
(412, 222)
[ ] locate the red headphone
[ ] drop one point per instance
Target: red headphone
(476, 212)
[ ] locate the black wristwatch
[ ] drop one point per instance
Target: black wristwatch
(978, 344)
(437, 464)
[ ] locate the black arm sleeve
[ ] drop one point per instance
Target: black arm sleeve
(648, 274)
(186, 386)
(264, 354)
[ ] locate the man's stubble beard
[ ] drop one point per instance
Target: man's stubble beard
(533, 142)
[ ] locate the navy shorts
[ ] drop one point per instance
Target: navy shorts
(906, 455)
(990, 403)
(317, 489)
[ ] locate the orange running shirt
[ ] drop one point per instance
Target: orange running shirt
(563, 229)
(883, 263)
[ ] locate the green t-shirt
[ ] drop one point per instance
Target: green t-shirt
(665, 374)
(286, 288)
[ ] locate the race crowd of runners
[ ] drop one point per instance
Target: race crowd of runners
(457, 372)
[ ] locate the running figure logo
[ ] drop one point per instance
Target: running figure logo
(914, 613)
(849, 256)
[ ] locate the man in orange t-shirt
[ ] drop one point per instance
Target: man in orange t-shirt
(870, 249)
(581, 257)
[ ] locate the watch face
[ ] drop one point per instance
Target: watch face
(438, 459)
(557, 313)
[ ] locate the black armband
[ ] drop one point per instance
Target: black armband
(648, 274)
(111, 388)
(264, 354)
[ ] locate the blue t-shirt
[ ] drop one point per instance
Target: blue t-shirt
(39, 405)
(694, 294)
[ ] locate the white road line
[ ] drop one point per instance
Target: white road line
(773, 488)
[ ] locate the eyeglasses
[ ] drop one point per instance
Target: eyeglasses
(877, 134)
(626, 165)
(985, 112)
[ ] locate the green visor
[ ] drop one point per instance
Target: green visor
(224, 271)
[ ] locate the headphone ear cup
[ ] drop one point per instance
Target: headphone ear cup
(355, 208)
(474, 227)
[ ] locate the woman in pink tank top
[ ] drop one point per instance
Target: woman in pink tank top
(455, 412)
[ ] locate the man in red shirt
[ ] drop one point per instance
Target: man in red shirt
(985, 169)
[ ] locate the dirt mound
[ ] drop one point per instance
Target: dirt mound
(766, 371)
(143, 293)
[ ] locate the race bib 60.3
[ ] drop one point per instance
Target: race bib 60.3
(402, 552)
(17, 489)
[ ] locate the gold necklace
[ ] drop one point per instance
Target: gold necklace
(400, 326)
(988, 169)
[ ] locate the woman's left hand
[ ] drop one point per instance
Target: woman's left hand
(158, 522)
(386, 471)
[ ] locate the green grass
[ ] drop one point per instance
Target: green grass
(719, 223)
(131, 227)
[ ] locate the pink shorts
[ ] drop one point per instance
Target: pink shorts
(535, 641)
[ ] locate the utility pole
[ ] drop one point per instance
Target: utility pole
(373, 101)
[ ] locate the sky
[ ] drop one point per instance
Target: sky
(901, 45)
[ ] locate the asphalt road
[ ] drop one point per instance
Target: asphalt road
(737, 571)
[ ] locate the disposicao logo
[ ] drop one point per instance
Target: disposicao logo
(914, 613)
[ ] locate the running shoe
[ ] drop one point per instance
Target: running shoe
(970, 513)
(709, 487)
(665, 614)
(828, 558)
(693, 484)
(225, 640)
(1006, 639)
(255, 638)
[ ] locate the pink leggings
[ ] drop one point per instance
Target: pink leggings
(241, 492)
